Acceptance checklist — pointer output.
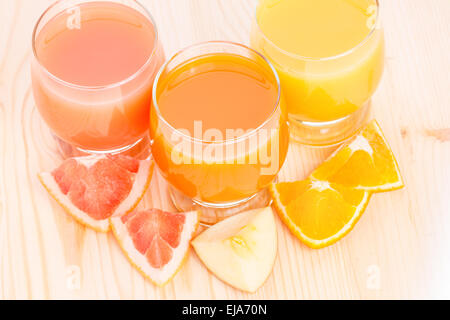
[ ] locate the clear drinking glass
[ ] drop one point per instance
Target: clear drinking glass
(220, 177)
(111, 116)
(328, 98)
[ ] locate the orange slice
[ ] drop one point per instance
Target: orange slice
(319, 213)
(92, 189)
(366, 162)
(156, 242)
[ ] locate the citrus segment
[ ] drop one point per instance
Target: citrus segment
(94, 188)
(240, 250)
(155, 242)
(128, 163)
(365, 163)
(319, 213)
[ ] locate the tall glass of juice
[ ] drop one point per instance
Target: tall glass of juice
(329, 55)
(219, 128)
(92, 73)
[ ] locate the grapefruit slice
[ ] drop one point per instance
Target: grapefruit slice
(365, 163)
(156, 242)
(240, 250)
(92, 189)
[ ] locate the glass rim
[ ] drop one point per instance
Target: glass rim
(226, 141)
(340, 55)
(102, 87)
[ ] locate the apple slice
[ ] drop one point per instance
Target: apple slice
(240, 250)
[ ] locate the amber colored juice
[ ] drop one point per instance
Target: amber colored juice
(221, 93)
(92, 77)
(328, 53)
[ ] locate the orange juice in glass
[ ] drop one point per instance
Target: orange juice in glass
(329, 55)
(92, 72)
(218, 125)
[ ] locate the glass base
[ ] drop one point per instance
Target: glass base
(212, 213)
(321, 134)
(139, 150)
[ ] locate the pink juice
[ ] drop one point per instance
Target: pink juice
(93, 73)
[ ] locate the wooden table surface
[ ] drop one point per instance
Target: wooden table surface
(399, 249)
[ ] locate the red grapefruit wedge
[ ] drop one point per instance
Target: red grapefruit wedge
(156, 242)
(93, 189)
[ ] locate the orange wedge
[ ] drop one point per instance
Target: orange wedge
(324, 208)
(366, 162)
(319, 213)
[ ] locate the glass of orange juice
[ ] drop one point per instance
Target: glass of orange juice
(218, 127)
(329, 55)
(92, 73)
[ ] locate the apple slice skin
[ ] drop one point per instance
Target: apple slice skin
(240, 250)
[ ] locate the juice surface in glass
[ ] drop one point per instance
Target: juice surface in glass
(93, 72)
(328, 53)
(219, 100)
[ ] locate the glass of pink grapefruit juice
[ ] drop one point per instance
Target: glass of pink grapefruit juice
(92, 72)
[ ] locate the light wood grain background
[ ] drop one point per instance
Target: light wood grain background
(399, 249)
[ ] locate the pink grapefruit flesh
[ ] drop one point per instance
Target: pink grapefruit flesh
(155, 234)
(156, 242)
(95, 188)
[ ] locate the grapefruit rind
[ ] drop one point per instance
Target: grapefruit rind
(159, 277)
(140, 186)
(142, 181)
(314, 243)
(81, 217)
(251, 271)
